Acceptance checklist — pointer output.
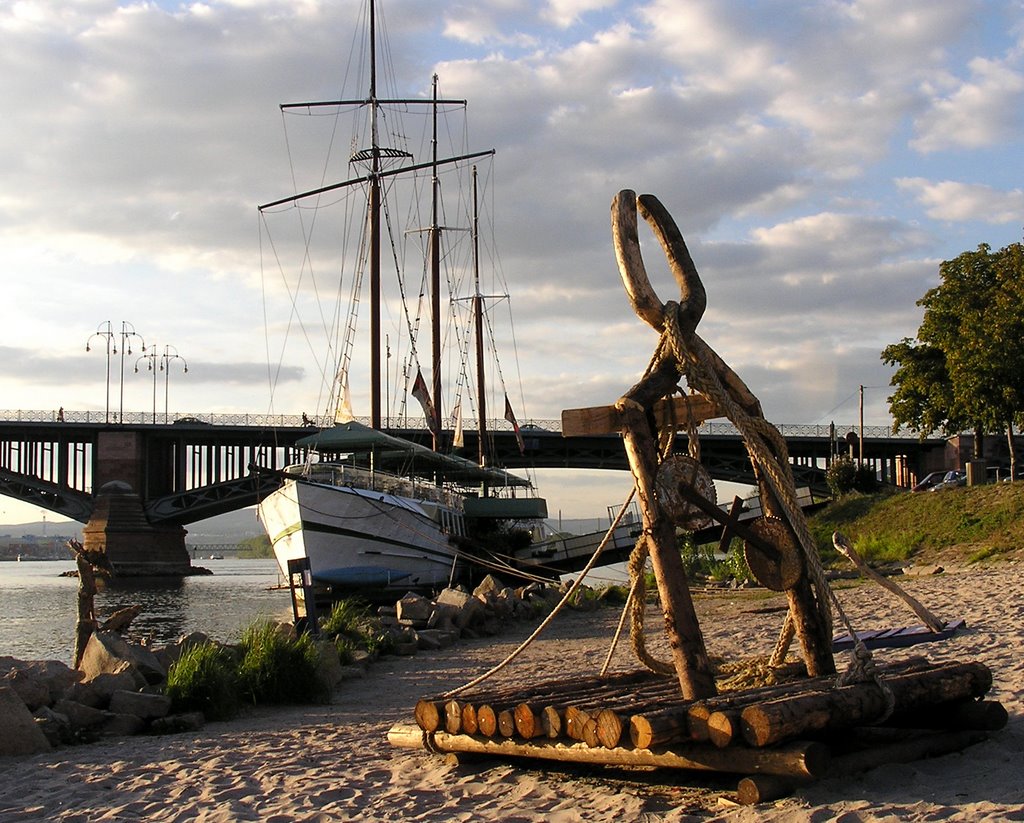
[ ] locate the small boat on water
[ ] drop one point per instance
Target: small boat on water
(370, 510)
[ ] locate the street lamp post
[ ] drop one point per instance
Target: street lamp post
(106, 331)
(170, 353)
(151, 366)
(127, 333)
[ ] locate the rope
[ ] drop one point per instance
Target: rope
(561, 603)
(770, 458)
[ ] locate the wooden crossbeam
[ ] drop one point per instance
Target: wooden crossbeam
(695, 408)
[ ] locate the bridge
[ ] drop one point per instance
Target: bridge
(198, 465)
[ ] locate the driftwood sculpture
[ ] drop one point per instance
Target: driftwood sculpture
(779, 735)
(779, 549)
(91, 564)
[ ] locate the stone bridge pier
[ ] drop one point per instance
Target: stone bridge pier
(118, 526)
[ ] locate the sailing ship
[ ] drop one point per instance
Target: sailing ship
(368, 510)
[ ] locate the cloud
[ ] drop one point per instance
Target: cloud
(975, 112)
(954, 201)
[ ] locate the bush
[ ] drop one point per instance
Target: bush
(351, 625)
(277, 668)
(841, 476)
(204, 678)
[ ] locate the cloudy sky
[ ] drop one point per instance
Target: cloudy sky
(821, 159)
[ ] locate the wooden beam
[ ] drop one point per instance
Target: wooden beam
(607, 419)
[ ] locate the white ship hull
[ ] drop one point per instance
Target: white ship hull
(359, 538)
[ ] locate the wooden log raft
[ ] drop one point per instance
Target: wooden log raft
(793, 716)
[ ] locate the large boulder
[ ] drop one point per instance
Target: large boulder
(413, 610)
(467, 607)
(141, 704)
(19, 733)
(109, 652)
(82, 717)
(40, 682)
(98, 691)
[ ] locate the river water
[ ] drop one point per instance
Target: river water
(38, 607)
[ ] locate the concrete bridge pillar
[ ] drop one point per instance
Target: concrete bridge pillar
(134, 547)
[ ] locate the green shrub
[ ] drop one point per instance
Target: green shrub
(204, 678)
(351, 625)
(841, 476)
(278, 668)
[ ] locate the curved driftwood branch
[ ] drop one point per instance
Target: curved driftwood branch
(631, 264)
(693, 299)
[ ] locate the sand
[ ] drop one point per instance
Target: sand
(328, 763)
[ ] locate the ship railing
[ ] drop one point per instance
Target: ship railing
(337, 474)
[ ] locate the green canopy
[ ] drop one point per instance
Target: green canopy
(400, 454)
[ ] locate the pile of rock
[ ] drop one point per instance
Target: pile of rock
(117, 691)
(118, 688)
(418, 623)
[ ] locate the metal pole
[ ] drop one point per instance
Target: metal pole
(861, 456)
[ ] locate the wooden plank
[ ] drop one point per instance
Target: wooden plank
(607, 419)
(802, 759)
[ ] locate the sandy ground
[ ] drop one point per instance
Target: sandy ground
(329, 763)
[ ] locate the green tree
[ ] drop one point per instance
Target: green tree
(965, 370)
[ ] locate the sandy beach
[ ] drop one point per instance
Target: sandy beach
(333, 762)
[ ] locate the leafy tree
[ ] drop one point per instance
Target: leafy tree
(965, 370)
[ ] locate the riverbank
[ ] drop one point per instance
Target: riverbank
(333, 762)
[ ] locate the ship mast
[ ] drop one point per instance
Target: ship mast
(478, 322)
(375, 156)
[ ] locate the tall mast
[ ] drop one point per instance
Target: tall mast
(478, 322)
(374, 209)
(435, 278)
(376, 156)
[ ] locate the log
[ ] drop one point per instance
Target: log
(453, 717)
(428, 714)
(469, 724)
(760, 788)
(908, 750)
(689, 655)
(550, 722)
(527, 721)
(981, 715)
(689, 720)
(803, 759)
(695, 408)
(797, 715)
(724, 727)
(486, 720)
(506, 723)
(647, 732)
(844, 547)
(610, 727)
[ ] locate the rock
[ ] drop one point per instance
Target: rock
(142, 705)
(52, 675)
(82, 717)
(19, 733)
(466, 606)
(55, 726)
(109, 652)
(413, 609)
(428, 640)
(30, 688)
(170, 654)
(121, 725)
(176, 723)
(489, 584)
(98, 691)
(442, 616)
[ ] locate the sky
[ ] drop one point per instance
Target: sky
(820, 158)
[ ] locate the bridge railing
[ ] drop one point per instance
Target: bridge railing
(529, 427)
